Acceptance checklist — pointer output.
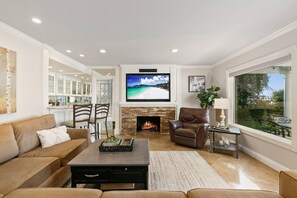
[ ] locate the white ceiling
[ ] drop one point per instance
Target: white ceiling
(145, 31)
(62, 69)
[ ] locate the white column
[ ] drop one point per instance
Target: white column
(46, 57)
(116, 100)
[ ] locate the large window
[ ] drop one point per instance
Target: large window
(263, 99)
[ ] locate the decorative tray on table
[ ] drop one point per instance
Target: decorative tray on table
(114, 144)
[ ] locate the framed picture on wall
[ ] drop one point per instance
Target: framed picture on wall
(196, 83)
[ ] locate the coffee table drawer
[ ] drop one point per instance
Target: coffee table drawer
(92, 175)
(127, 174)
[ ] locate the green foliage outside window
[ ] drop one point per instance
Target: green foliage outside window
(257, 109)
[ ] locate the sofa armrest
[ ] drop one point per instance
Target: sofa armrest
(79, 134)
(288, 183)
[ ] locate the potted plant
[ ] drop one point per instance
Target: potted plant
(207, 97)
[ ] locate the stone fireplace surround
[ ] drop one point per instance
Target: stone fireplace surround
(129, 117)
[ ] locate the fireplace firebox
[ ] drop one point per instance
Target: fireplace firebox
(148, 123)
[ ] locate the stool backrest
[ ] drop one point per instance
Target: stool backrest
(82, 114)
(101, 111)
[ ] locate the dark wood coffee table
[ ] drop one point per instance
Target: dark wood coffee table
(94, 167)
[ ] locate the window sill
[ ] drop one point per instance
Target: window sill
(279, 141)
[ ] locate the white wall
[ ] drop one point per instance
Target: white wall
(274, 155)
(29, 73)
(184, 97)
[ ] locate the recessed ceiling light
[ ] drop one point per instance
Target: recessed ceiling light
(81, 55)
(87, 78)
(61, 70)
(174, 50)
(102, 51)
(68, 51)
(36, 20)
(82, 77)
(75, 74)
(50, 67)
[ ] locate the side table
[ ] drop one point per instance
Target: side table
(214, 145)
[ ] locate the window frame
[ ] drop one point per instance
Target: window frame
(230, 82)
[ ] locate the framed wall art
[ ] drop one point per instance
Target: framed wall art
(196, 83)
(7, 81)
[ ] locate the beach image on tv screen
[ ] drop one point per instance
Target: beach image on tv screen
(148, 87)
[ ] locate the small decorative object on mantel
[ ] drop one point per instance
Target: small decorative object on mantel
(113, 144)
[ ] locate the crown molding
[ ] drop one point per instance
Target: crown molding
(194, 66)
(256, 44)
(104, 67)
(19, 34)
(147, 65)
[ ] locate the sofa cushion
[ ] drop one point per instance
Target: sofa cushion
(25, 131)
(53, 136)
(66, 151)
(224, 193)
(26, 172)
(8, 144)
(144, 194)
(55, 193)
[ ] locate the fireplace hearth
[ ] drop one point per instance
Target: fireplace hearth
(148, 124)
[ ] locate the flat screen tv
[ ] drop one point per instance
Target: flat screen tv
(148, 87)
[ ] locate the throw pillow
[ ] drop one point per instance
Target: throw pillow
(53, 136)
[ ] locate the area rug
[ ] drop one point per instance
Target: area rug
(181, 171)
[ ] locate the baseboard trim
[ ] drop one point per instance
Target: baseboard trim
(276, 166)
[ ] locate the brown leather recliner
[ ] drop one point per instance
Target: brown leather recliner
(192, 127)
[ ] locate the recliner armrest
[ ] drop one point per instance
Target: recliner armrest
(202, 125)
(79, 134)
(176, 124)
(288, 183)
(173, 125)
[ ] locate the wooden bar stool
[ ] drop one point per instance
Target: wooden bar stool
(101, 114)
(81, 116)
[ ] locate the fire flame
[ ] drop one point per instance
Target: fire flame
(149, 125)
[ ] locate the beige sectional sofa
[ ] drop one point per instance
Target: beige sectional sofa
(287, 189)
(23, 163)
